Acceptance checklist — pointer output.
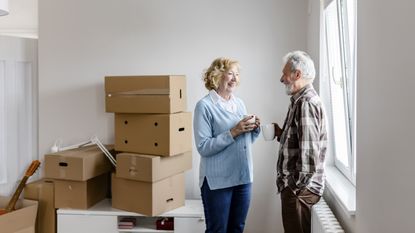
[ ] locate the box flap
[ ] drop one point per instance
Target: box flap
(22, 218)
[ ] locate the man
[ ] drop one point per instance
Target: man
(300, 166)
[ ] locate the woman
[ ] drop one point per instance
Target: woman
(223, 139)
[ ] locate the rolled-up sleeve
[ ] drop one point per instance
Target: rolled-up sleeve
(255, 133)
(206, 143)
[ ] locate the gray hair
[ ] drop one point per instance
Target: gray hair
(301, 61)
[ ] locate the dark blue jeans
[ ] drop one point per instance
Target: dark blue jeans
(226, 209)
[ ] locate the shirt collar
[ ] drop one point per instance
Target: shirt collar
(301, 92)
(216, 97)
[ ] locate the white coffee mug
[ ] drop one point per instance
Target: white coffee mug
(252, 120)
(268, 131)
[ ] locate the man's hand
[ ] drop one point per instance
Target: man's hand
(278, 131)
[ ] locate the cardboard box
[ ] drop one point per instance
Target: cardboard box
(155, 134)
(22, 220)
(145, 94)
(147, 198)
(78, 164)
(80, 194)
(151, 168)
(43, 192)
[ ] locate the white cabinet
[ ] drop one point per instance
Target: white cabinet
(189, 225)
(102, 218)
(86, 223)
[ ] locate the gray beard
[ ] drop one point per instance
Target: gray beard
(288, 89)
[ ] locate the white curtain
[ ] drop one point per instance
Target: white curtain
(18, 110)
(3, 159)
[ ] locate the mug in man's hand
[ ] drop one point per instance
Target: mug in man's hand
(268, 131)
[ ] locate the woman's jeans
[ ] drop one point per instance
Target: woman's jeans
(226, 209)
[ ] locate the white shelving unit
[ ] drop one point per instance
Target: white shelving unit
(102, 218)
(145, 224)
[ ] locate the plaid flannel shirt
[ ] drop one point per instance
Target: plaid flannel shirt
(303, 144)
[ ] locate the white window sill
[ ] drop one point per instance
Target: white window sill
(342, 189)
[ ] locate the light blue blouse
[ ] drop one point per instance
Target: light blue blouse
(225, 161)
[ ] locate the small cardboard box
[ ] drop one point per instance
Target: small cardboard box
(80, 194)
(21, 220)
(145, 94)
(151, 168)
(78, 164)
(155, 134)
(147, 198)
(43, 192)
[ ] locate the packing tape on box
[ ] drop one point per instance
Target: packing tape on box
(149, 91)
(134, 160)
(133, 168)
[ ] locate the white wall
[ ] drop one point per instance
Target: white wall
(385, 114)
(83, 41)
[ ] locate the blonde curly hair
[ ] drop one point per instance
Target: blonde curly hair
(216, 71)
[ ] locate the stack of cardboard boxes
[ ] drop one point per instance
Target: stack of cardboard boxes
(154, 135)
(80, 176)
(77, 179)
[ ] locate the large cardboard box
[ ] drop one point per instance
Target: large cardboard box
(78, 164)
(80, 194)
(145, 94)
(156, 134)
(43, 192)
(22, 220)
(147, 198)
(151, 168)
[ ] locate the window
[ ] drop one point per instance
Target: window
(339, 67)
(18, 110)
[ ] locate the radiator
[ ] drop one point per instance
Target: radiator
(323, 219)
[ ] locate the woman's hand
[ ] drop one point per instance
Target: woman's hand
(257, 122)
(243, 126)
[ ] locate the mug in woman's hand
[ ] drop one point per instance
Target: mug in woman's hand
(252, 120)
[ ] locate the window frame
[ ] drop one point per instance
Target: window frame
(348, 76)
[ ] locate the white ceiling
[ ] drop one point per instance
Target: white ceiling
(22, 20)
